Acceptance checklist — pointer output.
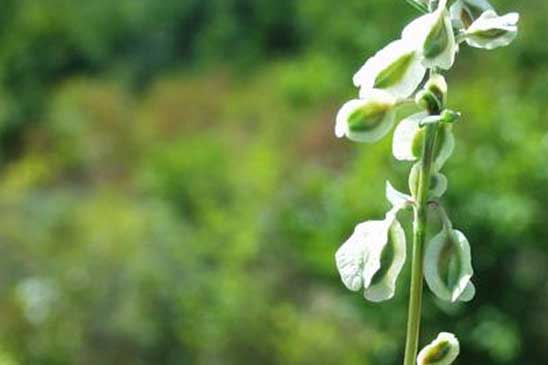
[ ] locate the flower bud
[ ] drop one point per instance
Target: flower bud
(368, 119)
(450, 116)
(395, 69)
(434, 35)
(491, 31)
(465, 12)
(448, 265)
(438, 86)
(372, 258)
(442, 351)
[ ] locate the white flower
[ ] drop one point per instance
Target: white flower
(373, 257)
(433, 35)
(408, 138)
(464, 12)
(491, 31)
(448, 266)
(395, 69)
(442, 351)
(367, 119)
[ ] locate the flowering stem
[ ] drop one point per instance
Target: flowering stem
(419, 234)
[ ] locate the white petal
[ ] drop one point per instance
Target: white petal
(353, 256)
(442, 351)
(445, 145)
(368, 119)
(468, 293)
(449, 250)
(464, 12)
(396, 198)
(438, 186)
(376, 241)
(350, 259)
(419, 30)
(395, 69)
(491, 31)
(392, 258)
(404, 141)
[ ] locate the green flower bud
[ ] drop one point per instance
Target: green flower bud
(368, 119)
(427, 100)
(450, 116)
(448, 265)
(442, 351)
(438, 86)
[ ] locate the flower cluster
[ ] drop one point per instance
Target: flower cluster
(409, 70)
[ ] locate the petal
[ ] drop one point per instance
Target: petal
(438, 185)
(445, 144)
(465, 12)
(433, 33)
(395, 69)
(448, 265)
(469, 293)
(442, 351)
(368, 119)
(350, 259)
(397, 199)
(438, 182)
(376, 241)
(391, 259)
(491, 31)
(408, 138)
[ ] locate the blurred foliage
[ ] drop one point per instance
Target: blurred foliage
(172, 192)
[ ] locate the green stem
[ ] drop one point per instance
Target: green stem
(419, 235)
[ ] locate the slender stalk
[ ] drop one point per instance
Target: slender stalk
(419, 234)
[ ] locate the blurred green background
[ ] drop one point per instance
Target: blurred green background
(172, 191)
